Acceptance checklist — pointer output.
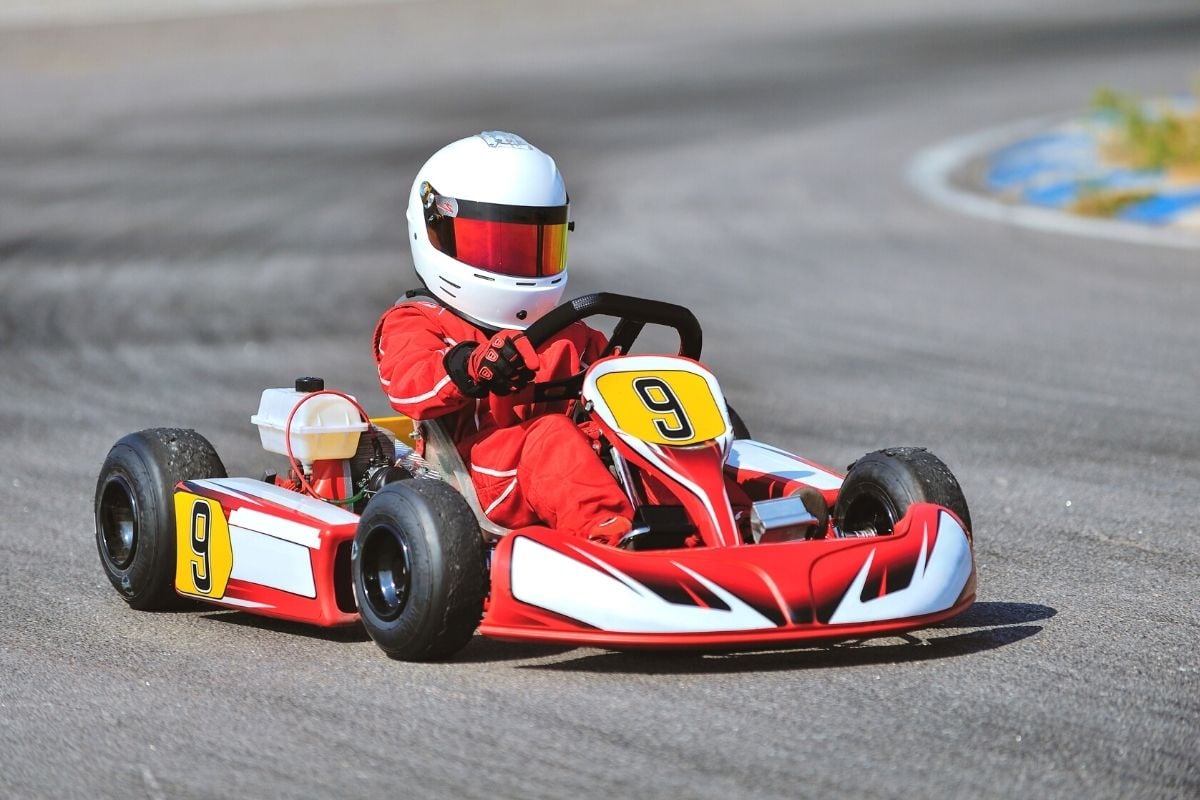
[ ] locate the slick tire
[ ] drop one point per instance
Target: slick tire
(880, 487)
(135, 510)
(418, 567)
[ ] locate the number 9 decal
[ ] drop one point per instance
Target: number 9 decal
(203, 551)
(658, 397)
(201, 572)
(661, 406)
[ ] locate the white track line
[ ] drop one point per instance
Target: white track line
(929, 174)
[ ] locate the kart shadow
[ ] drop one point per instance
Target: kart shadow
(345, 633)
(983, 614)
(482, 650)
(994, 625)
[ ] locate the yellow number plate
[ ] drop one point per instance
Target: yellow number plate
(662, 407)
(203, 552)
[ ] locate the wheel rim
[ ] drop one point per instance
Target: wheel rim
(869, 513)
(386, 574)
(118, 522)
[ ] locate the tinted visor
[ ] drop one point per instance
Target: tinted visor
(518, 241)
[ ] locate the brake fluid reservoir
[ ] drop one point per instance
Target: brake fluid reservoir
(324, 426)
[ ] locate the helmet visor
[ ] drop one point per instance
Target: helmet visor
(517, 241)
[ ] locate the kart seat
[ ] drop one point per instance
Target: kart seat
(442, 457)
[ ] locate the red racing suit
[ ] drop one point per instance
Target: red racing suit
(530, 464)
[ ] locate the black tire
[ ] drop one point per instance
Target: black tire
(135, 510)
(880, 487)
(418, 566)
(740, 431)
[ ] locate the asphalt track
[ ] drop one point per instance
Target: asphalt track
(191, 211)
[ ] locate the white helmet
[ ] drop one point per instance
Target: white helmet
(487, 220)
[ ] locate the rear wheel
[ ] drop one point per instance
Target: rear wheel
(418, 566)
(135, 510)
(881, 486)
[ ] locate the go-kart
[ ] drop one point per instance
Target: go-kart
(735, 545)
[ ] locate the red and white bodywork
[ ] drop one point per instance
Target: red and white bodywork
(266, 550)
(667, 418)
(545, 587)
(270, 550)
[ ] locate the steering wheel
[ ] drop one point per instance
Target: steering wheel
(634, 314)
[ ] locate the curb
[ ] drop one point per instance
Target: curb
(939, 174)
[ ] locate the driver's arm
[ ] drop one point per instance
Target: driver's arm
(409, 352)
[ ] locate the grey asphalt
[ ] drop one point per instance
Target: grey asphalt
(192, 211)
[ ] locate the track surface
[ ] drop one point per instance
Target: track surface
(192, 211)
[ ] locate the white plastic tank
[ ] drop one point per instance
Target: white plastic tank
(325, 426)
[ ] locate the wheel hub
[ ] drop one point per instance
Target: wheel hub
(869, 514)
(118, 520)
(386, 574)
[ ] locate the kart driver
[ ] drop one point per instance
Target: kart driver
(487, 222)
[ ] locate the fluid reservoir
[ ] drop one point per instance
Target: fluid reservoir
(325, 426)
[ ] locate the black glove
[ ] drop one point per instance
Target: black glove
(504, 365)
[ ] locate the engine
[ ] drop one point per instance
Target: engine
(336, 454)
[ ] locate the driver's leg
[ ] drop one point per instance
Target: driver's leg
(545, 471)
(565, 483)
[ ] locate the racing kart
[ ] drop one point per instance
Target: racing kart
(736, 544)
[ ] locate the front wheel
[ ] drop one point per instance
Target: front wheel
(881, 486)
(418, 566)
(135, 510)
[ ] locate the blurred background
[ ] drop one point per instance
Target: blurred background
(202, 199)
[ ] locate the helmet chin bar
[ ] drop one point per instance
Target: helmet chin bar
(491, 303)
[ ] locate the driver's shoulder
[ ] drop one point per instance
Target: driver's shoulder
(414, 305)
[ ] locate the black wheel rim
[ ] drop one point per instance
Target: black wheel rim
(386, 572)
(869, 513)
(117, 519)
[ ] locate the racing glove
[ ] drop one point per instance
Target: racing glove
(504, 365)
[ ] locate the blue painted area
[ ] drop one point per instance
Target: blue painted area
(1162, 209)
(1028, 160)
(1055, 168)
(1055, 195)
(1001, 177)
(1056, 192)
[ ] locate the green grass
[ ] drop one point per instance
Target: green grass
(1145, 135)
(1106, 202)
(1150, 135)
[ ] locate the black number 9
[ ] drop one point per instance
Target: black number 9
(656, 395)
(201, 575)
